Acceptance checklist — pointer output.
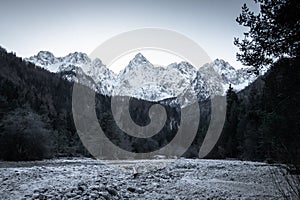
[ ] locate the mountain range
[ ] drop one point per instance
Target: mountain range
(143, 80)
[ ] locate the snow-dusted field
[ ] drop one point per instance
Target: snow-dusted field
(181, 179)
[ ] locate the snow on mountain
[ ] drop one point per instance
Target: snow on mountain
(75, 74)
(238, 79)
(78, 67)
(185, 68)
(46, 60)
(141, 79)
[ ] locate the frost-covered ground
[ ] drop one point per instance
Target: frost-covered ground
(181, 179)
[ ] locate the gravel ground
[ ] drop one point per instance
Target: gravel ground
(182, 179)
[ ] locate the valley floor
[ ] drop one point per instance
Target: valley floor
(83, 178)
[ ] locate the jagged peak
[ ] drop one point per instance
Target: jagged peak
(77, 57)
(218, 60)
(138, 59)
(142, 79)
(77, 54)
(42, 58)
(139, 56)
(186, 65)
(223, 64)
(45, 54)
(183, 66)
(218, 65)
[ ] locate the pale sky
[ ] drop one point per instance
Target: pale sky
(66, 26)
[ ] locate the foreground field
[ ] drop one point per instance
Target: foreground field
(156, 179)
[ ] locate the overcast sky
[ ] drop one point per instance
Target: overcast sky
(65, 26)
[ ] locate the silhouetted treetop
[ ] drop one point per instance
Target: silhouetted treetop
(273, 32)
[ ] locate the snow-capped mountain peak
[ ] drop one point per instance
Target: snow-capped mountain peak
(222, 65)
(227, 74)
(44, 58)
(185, 68)
(141, 79)
(138, 59)
(78, 67)
(138, 62)
(46, 55)
(76, 58)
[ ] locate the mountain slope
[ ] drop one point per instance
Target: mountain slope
(78, 67)
(143, 80)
